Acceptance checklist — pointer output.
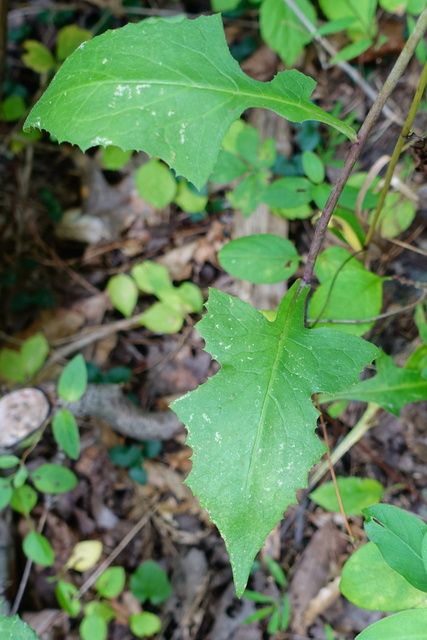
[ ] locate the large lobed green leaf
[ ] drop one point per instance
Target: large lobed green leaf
(251, 426)
(170, 89)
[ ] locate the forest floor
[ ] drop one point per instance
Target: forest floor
(67, 226)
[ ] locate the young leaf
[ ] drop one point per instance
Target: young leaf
(391, 388)
(111, 582)
(13, 628)
(261, 258)
(38, 549)
(370, 583)
(171, 90)
(356, 494)
(257, 416)
(155, 184)
(34, 353)
(123, 293)
(399, 536)
(52, 478)
(6, 492)
(23, 499)
(407, 625)
(73, 380)
(347, 291)
(65, 594)
(66, 433)
(283, 31)
(144, 624)
(150, 582)
(93, 627)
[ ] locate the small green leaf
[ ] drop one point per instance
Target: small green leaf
(356, 494)
(283, 31)
(259, 614)
(228, 168)
(424, 551)
(352, 50)
(189, 199)
(12, 108)
(370, 583)
(11, 366)
(190, 297)
(156, 184)
(38, 549)
(23, 499)
(347, 291)
(66, 433)
(93, 627)
(73, 380)
(260, 598)
(262, 258)
(69, 38)
(52, 478)
(274, 622)
(34, 352)
(150, 582)
(126, 455)
(114, 158)
(286, 612)
(111, 582)
(407, 625)
(123, 293)
(139, 475)
(162, 318)
(9, 461)
(101, 609)
(396, 216)
(14, 629)
(313, 167)
(246, 196)
(173, 102)
(20, 477)
(287, 193)
(276, 571)
(37, 56)
(6, 492)
(144, 624)
(398, 535)
(151, 277)
(65, 594)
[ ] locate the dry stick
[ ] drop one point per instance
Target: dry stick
(356, 148)
(396, 153)
(344, 66)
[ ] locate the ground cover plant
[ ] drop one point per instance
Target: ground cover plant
(251, 426)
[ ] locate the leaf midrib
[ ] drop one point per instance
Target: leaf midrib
(248, 95)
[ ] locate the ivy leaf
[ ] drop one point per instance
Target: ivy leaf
(171, 90)
(391, 388)
(251, 426)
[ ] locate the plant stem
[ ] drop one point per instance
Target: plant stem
(356, 148)
(396, 153)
